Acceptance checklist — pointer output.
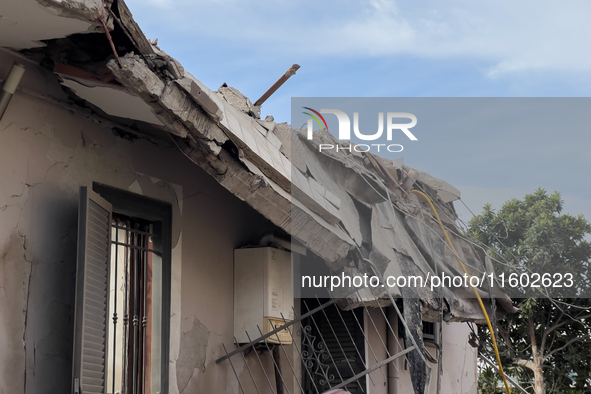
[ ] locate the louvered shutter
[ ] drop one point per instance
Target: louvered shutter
(92, 295)
(344, 341)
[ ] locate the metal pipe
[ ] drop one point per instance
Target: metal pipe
(286, 358)
(144, 307)
(292, 70)
(115, 307)
(10, 85)
(125, 350)
(136, 314)
(273, 239)
(279, 382)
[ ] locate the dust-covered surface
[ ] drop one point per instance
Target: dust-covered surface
(136, 120)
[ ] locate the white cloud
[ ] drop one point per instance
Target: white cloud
(512, 36)
(507, 67)
(161, 3)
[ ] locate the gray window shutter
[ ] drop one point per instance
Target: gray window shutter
(92, 294)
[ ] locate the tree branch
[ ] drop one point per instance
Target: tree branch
(524, 363)
(558, 325)
(554, 327)
(532, 334)
(563, 347)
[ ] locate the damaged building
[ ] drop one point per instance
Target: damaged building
(138, 207)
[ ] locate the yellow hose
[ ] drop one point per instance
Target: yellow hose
(492, 334)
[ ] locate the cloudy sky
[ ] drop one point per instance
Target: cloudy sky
(380, 48)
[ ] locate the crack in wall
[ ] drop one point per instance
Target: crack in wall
(27, 297)
(192, 355)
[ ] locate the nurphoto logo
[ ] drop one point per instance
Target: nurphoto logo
(344, 133)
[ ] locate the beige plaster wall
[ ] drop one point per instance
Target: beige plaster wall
(48, 152)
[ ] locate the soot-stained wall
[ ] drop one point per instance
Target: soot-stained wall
(46, 153)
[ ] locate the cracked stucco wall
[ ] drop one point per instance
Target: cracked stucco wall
(221, 223)
(46, 154)
(192, 353)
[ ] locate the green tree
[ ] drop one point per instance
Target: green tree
(489, 381)
(547, 344)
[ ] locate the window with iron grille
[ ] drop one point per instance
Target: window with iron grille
(134, 308)
(333, 347)
(122, 294)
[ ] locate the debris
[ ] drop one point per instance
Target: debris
(292, 70)
(353, 210)
(238, 100)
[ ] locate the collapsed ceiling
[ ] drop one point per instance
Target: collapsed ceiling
(351, 209)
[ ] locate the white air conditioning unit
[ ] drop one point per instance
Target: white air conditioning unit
(263, 294)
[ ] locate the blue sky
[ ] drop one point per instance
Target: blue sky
(379, 48)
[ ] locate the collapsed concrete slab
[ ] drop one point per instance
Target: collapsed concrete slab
(351, 209)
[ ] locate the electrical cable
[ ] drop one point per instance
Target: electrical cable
(492, 334)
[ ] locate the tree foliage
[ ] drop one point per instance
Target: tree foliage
(547, 344)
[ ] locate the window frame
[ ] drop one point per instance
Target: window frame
(431, 338)
(160, 214)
